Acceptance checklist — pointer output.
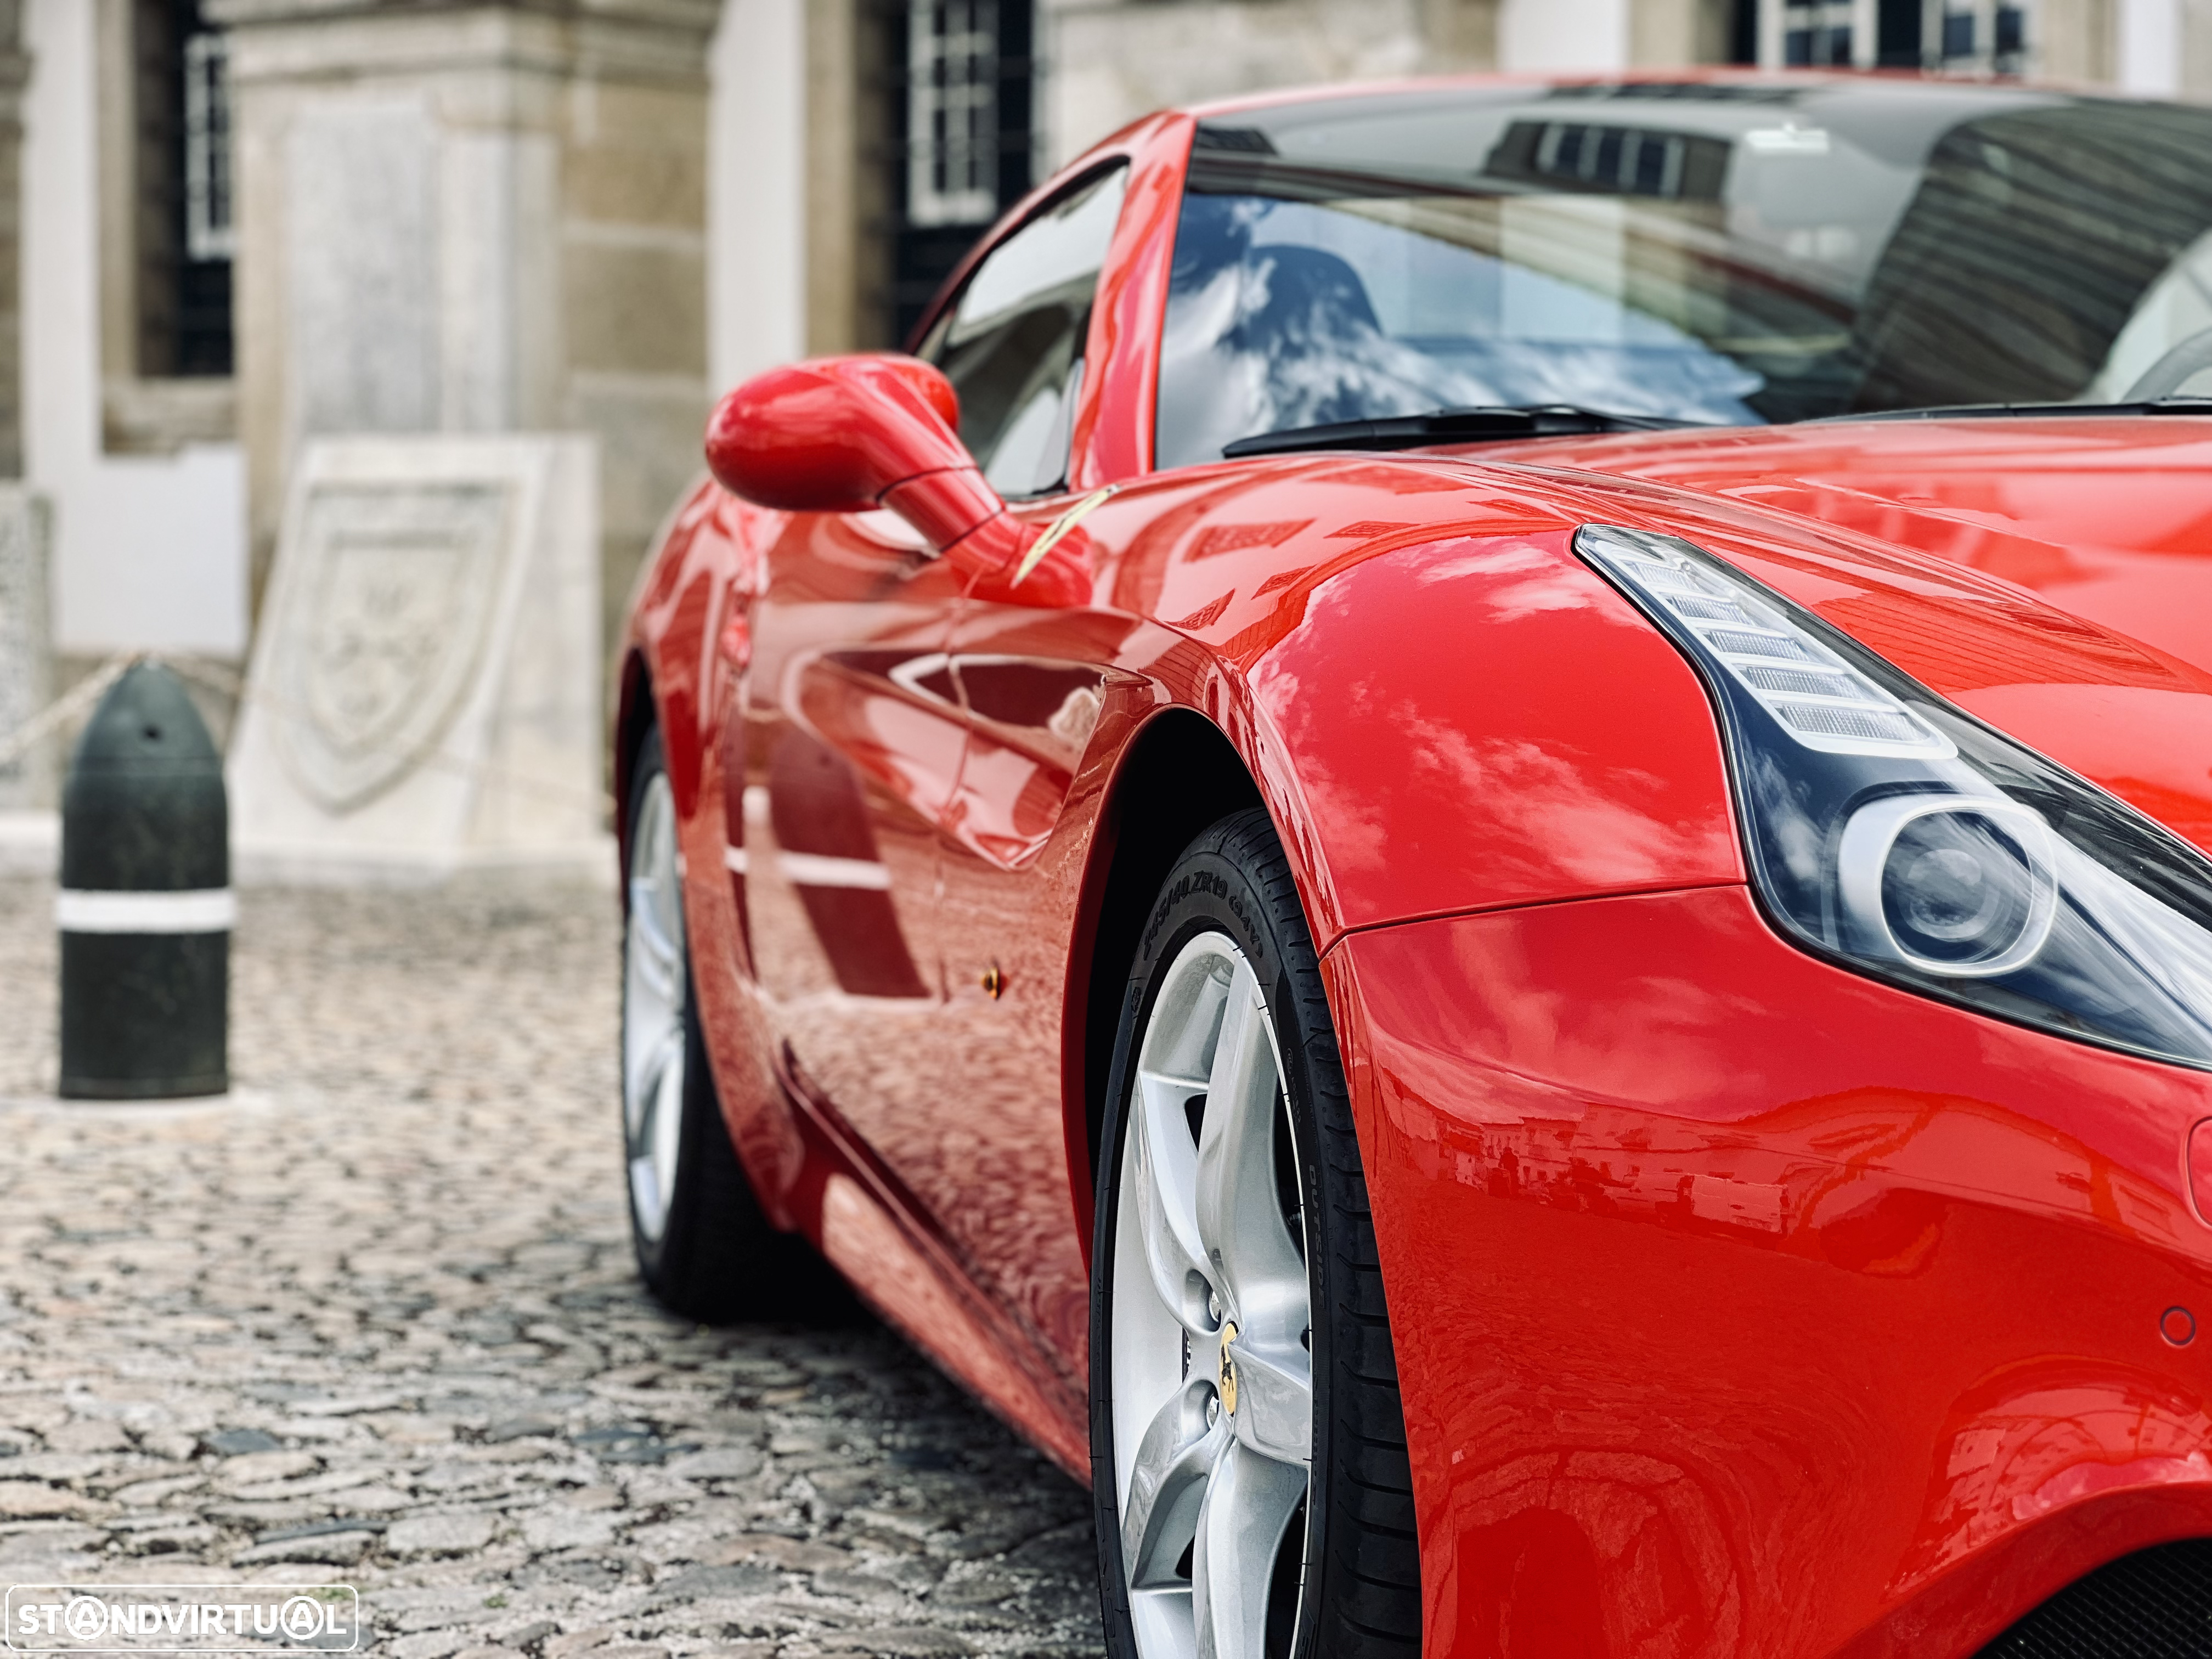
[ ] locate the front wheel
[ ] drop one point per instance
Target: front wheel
(1248, 1457)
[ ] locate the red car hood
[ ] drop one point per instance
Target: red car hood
(2053, 576)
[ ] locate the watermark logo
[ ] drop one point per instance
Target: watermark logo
(181, 1618)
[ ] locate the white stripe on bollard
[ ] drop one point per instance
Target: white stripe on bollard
(206, 910)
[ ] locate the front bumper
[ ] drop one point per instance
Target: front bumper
(1745, 1305)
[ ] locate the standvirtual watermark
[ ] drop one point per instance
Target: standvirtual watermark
(182, 1618)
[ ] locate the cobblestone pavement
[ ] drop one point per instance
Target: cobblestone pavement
(374, 1321)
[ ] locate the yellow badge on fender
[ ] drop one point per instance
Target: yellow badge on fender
(1058, 529)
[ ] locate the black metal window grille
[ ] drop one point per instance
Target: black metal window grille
(1951, 37)
(953, 112)
(1818, 33)
(962, 92)
(183, 227)
(208, 232)
(1955, 36)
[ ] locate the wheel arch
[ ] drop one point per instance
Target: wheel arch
(1177, 775)
(635, 714)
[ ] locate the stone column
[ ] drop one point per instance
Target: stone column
(2075, 40)
(1675, 34)
(26, 777)
(15, 71)
(473, 216)
(1111, 61)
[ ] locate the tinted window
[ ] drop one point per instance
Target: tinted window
(1729, 251)
(1011, 343)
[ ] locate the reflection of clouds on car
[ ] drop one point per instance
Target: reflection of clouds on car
(1285, 314)
(1704, 253)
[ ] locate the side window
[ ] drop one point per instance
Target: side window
(1011, 343)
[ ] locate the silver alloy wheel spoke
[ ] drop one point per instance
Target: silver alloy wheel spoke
(1160, 1513)
(1274, 1402)
(1167, 1178)
(1246, 1238)
(1249, 1500)
(1211, 1383)
(654, 1036)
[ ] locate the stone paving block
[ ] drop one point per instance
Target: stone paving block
(439, 1534)
(721, 1463)
(702, 1583)
(376, 1317)
(338, 1548)
(34, 1500)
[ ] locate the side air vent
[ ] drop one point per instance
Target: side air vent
(2154, 1604)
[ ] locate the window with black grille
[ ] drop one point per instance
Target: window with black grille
(1959, 37)
(183, 210)
(961, 134)
(1816, 34)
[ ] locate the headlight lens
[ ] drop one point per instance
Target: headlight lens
(1885, 827)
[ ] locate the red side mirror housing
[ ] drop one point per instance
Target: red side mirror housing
(845, 434)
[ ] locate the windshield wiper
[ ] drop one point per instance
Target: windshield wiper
(1460, 425)
(2027, 411)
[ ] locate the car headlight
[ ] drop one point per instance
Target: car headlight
(1889, 829)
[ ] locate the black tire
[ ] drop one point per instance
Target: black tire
(717, 1258)
(1362, 1593)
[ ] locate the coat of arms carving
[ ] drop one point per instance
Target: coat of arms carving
(383, 628)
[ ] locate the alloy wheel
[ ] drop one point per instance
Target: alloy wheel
(653, 1028)
(1211, 1324)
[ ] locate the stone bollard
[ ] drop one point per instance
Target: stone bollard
(145, 907)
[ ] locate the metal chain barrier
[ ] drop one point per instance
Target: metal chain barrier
(233, 685)
(229, 684)
(49, 720)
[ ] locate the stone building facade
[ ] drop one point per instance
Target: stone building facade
(472, 219)
(242, 224)
(815, 103)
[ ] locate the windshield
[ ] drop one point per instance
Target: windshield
(1726, 251)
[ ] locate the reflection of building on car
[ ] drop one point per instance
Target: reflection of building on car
(1474, 851)
(1723, 253)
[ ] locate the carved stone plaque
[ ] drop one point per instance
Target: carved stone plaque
(424, 694)
(385, 628)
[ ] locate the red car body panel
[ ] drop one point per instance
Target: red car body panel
(1766, 1262)
(1715, 1270)
(2106, 522)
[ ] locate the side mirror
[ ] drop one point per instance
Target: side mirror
(845, 434)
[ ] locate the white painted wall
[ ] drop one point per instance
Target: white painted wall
(148, 551)
(755, 190)
(1563, 34)
(2150, 47)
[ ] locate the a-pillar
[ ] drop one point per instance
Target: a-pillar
(473, 218)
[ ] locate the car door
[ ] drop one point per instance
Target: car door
(852, 739)
(1014, 342)
(1036, 682)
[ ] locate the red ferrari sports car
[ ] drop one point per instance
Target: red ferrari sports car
(1467, 840)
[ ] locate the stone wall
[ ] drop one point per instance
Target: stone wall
(15, 70)
(474, 218)
(26, 776)
(1111, 61)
